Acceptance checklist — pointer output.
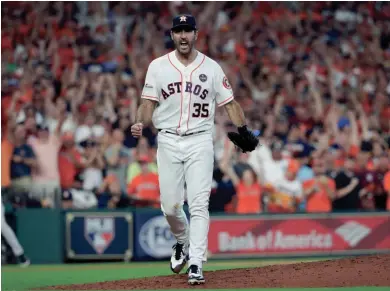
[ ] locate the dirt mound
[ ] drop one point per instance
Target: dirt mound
(347, 272)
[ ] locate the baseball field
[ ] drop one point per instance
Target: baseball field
(364, 273)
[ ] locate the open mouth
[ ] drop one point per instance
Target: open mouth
(183, 45)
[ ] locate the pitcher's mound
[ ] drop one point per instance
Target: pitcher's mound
(347, 272)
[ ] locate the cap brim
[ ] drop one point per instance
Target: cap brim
(183, 26)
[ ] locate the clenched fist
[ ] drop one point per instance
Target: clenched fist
(136, 129)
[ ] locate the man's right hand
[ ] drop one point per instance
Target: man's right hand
(136, 129)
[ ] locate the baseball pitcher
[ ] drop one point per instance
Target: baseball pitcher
(181, 91)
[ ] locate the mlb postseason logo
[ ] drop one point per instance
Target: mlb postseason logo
(99, 232)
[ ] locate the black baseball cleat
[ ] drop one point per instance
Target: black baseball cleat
(195, 275)
(179, 257)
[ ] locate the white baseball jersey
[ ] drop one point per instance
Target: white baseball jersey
(186, 96)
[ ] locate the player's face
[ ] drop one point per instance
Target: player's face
(184, 39)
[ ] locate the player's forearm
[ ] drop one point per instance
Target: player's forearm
(145, 111)
(236, 114)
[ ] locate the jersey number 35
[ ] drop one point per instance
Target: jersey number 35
(201, 110)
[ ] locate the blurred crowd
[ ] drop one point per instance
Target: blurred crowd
(312, 77)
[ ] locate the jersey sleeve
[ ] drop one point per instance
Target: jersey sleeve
(150, 87)
(223, 90)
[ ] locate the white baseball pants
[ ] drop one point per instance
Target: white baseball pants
(190, 160)
(9, 234)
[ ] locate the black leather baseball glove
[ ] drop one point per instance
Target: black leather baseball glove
(245, 140)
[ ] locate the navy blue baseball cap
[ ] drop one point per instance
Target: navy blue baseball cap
(184, 20)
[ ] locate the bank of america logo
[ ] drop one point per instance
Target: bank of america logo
(353, 232)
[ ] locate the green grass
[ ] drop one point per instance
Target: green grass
(15, 278)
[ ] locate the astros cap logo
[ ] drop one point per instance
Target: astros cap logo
(183, 20)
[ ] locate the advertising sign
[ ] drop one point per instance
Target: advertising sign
(294, 235)
(153, 239)
(100, 235)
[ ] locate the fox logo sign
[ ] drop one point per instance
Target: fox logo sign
(99, 232)
(155, 237)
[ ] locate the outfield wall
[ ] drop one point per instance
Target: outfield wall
(56, 236)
